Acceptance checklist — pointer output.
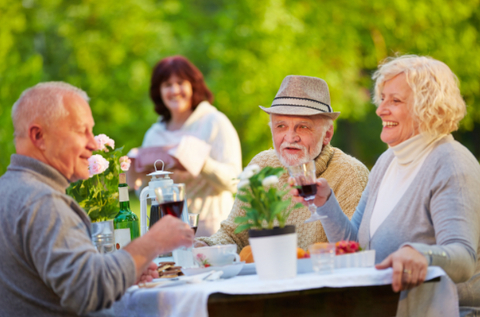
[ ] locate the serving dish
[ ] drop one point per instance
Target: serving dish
(358, 259)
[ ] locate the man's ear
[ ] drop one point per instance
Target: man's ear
(37, 136)
(328, 135)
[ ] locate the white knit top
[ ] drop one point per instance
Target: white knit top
(409, 157)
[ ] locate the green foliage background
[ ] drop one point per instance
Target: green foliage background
(244, 48)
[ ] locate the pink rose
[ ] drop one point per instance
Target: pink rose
(97, 164)
(125, 163)
(103, 140)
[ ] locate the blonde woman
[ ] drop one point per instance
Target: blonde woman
(421, 205)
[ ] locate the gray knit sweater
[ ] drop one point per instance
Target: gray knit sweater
(48, 264)
(439, 215)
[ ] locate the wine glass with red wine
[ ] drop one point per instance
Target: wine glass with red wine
(305, 179)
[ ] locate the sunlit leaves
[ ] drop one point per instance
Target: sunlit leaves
(244, 48)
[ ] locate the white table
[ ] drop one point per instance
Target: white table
(192, 299)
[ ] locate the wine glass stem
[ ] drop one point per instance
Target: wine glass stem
(312, 208)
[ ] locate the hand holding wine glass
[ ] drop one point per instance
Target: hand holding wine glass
(305, 180)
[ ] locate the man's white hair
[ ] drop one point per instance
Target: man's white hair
(43, 101)
(292, 160)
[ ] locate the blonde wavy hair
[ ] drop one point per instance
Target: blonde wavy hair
(438, 105)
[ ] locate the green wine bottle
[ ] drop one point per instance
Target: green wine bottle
(126, 224)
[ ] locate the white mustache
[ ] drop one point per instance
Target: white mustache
(293, 145)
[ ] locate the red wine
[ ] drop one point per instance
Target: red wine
(307, 190)
(155, 215)
(173, 208)
(194, 230)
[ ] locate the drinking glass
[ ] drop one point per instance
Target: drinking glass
(323, 257)
(193, 219)
(305, 179)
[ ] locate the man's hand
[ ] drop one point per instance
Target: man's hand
(166, 235)
(171, 233)
(199, 244)
(409, 268)
(149, 274)
(323, 192)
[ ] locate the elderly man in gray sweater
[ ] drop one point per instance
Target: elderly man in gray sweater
(49, 266)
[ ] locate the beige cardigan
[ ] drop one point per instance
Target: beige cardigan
(346, 175)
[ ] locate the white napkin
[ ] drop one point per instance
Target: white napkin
(192, 153)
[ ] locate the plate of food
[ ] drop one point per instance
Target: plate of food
(168, 270)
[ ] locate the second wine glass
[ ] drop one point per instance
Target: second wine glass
(305, 180)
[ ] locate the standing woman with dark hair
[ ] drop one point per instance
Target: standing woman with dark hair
(203, 142)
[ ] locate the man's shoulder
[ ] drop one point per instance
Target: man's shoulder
(345, 161)
(28, 188)
(266, 158)
(26, 179)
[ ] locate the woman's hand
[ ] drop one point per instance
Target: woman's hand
(409, 268)
(323, 192)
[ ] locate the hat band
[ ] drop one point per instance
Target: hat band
(301, 102)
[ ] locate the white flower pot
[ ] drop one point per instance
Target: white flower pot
(274, 252)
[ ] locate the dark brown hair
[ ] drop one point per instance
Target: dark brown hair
(183, 68)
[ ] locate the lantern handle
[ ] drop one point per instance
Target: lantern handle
(155, 165)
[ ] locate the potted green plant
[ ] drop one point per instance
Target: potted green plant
(98, 195)
(273, 243)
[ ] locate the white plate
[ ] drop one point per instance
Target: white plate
(229, 271)
(303, 266)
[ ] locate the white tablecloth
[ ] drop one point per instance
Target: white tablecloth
(191, 299)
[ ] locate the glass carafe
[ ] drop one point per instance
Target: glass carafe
(172, 201)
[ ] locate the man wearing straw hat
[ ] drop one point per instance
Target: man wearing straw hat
(301, 121)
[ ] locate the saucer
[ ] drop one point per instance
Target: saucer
(229, 271)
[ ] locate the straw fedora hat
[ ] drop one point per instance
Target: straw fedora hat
(302, 96)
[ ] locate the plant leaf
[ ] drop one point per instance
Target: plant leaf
(243, 227)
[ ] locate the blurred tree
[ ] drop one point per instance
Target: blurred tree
(244, 48)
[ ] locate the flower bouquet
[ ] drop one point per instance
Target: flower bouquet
(98, 195)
